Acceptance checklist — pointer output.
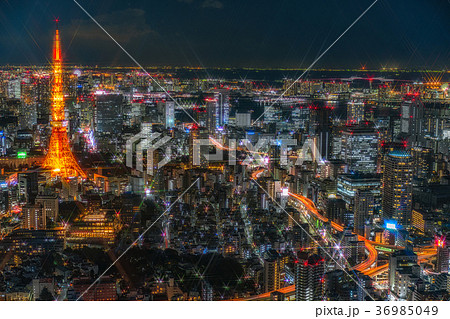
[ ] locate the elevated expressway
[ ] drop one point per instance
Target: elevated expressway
(311, 209)
(367, 267)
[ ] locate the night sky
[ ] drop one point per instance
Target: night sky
(232, 33)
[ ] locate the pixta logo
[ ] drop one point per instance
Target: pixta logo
(147, 142)
(150, 144)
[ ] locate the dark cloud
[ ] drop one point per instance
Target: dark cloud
(255, 33)
(124, 26)
(215, 4)
(212, 4)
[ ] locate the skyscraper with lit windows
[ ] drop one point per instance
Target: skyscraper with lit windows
(355, 112)
(442, 255)
(412, 117)
(359, 149)
(272, 271)
(363, 210)
(397, 187)
(309, 272)
(169, 114)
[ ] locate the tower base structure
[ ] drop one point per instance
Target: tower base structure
(60, 159)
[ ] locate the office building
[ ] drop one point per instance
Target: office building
(363, 210)
(397, 261)
(27, 187)
(169, 114)
(50, 205)
(243, 120)
(349, 184)
(359, 149)
(34, 217)
(309, 272)
(423, 159)
(355, 112)
(108, 113)
(272, 271)
(442, 256)
(412, 114)
(397, 187)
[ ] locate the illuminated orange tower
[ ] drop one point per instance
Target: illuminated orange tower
(60, 159)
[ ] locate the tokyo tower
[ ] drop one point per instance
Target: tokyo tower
(60, 159)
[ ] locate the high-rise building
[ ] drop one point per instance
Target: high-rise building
(403, 269)
(412, 112)
(442, 255)
(423, 162)
(363, 210)
(218, 110)
(243, 119)
(352, 248)
(272, 271)
(300, 238)
(335, 209)
(397, 187)
(27, 186)
(195, 151)
(211, 115)
(271, 113)
(28, 115)
(4, 200)
(222, 98)
(309, 272)
(34, 217)
(359, 149)
(108, 113)
(14, 89)
(42, 98)
(50, 205)
(355, 112)
(349, 184)
(169, 114)
(321, 128)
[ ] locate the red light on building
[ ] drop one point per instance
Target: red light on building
(439, 242)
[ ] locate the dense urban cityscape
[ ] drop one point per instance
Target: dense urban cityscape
(190, 183)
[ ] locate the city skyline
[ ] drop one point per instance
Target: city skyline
(303, 185)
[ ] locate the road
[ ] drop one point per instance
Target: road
(365, 267)
(312, 210)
